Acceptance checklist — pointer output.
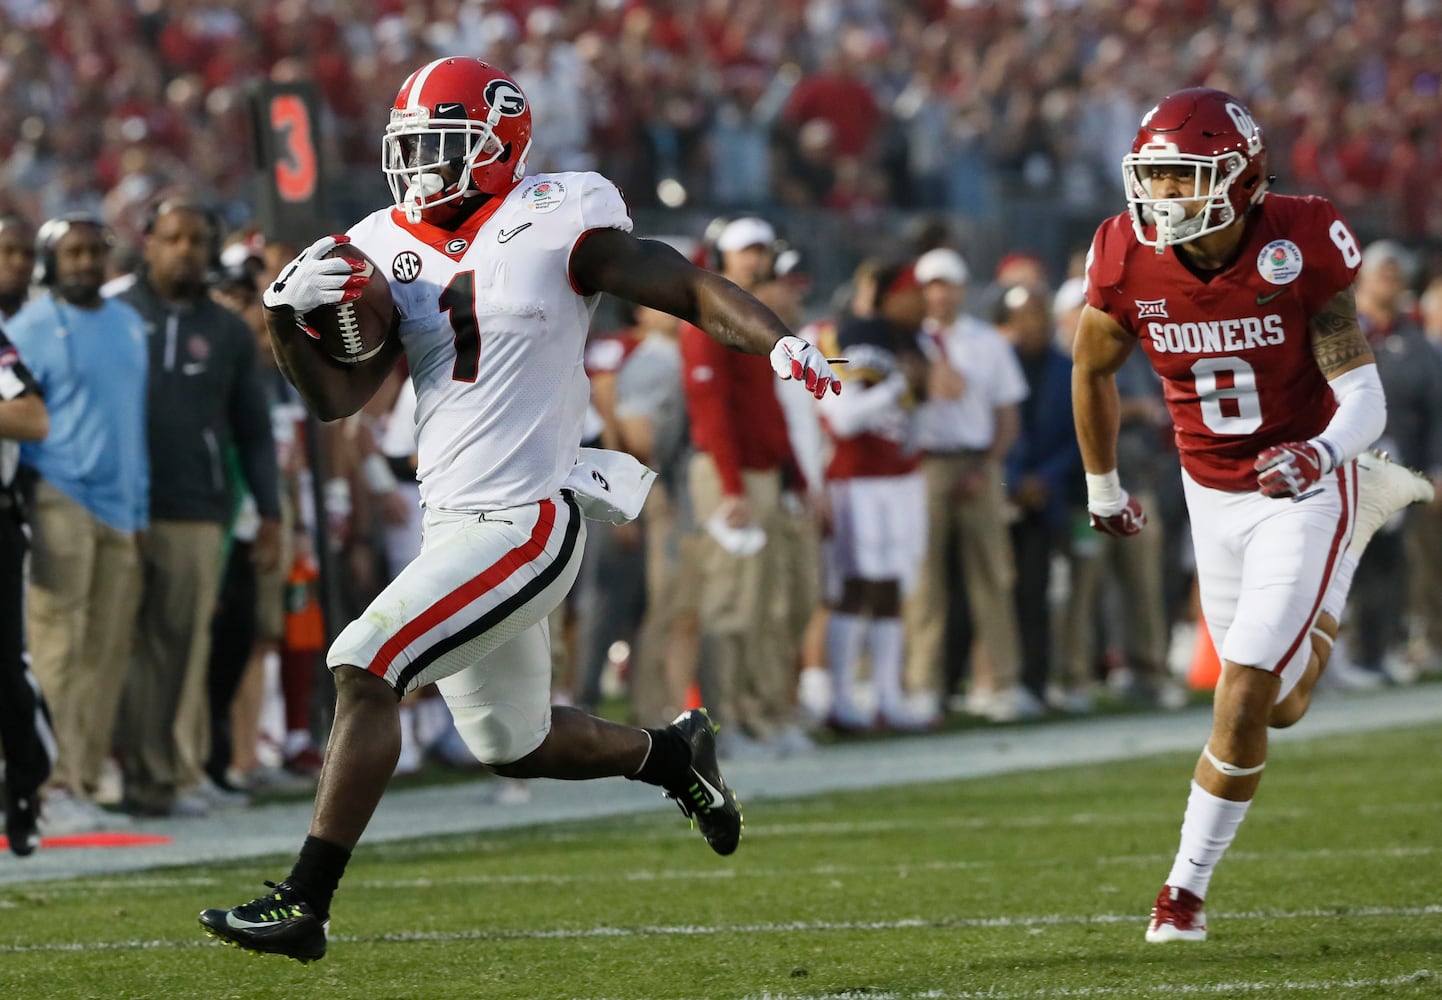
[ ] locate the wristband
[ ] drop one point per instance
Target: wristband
(337, 496)
(1328, 449)
(1104, 493)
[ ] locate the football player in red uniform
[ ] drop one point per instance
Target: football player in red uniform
(1244, 305)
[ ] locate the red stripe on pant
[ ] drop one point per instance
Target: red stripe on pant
(472, 590)
(1344, 522)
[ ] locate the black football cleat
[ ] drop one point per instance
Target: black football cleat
(22, 822)
(704, 798)
(279, 923)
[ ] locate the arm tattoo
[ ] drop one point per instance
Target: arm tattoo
(1337, 340)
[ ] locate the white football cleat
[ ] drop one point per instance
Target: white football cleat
(1177, 915)
(1384, 489)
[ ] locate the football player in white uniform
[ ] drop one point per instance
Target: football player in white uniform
(495, 276)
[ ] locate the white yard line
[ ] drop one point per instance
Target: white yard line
(784, 927)
(450, 809)
(1329, 986)
(901, 870)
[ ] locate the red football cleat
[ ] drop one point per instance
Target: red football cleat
(307, 762)
(1177, 915)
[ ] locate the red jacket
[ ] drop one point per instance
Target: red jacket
(735, 416)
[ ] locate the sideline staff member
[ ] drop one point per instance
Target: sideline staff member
(24, 719)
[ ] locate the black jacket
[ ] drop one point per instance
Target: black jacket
(1411, 373)
(205, 394)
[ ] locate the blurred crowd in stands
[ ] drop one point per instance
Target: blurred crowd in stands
(851, 105)
(955, 577)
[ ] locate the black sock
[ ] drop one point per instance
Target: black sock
(317, 872)
(669, 762)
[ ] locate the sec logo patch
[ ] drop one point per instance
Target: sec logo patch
(406, 267)
(1280, 262)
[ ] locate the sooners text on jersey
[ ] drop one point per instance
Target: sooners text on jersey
(494, 333)
(1233, 350)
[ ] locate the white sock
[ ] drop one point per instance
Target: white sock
(843, 648)
(1207, 831)
(296, 740)
(885, 639)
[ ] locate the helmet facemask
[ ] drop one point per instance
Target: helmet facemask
(1212, 178)
(431, 161)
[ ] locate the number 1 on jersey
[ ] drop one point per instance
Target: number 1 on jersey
(459, 302)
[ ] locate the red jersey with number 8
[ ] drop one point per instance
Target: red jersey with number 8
(1232, 346)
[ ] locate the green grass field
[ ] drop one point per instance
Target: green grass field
(1028, 885)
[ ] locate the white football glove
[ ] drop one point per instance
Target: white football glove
(793, 357)
(312, 280)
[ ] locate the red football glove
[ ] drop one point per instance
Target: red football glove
(794, 358)
(313, 279)
(1125, 522)
(1291, 469)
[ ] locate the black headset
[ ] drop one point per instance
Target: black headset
(186, 203)
(49, 234)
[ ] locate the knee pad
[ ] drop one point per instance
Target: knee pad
(499, 733)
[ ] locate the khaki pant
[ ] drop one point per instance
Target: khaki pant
(270, 584)
(1137, 565)
(665, 661)
(739, 623)
(164, 735)
(798, 564)
(80, 613)
(1424, 544)
(975, 529)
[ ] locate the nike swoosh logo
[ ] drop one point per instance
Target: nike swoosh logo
(712, 793)
(442, 110)
(1199, 864)
(1302, 496)
(1264, 299)
(279, 285)
(231, 920)
(506, 237)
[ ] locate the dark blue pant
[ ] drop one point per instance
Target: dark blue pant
(25, 729)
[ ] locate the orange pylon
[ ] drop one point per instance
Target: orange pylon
(693, 696)
(1206, 664)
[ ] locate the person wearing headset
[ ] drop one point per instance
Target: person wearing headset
(91, 499)
(17, 263)
(205, 398)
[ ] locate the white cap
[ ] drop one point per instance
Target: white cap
(1072, 293)
(940, 264)
(1388, 252)
(748, 231)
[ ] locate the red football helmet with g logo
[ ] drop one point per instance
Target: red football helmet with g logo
(1210, 135)
(458, 126)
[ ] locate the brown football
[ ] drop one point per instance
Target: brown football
(352, 332)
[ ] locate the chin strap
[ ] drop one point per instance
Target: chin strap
(428, 185)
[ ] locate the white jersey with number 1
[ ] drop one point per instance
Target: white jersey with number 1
(494, 332)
